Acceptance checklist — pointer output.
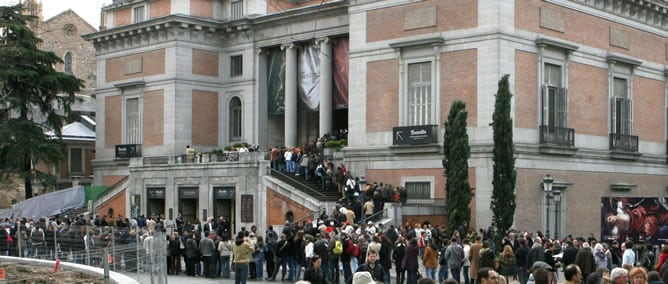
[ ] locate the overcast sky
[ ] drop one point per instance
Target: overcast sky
(87, 9)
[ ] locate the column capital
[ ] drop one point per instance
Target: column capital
(323, 40)
(258, 51)
(287, 45)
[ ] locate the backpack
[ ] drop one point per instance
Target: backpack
(356, 250)
(349, 247)
(37, 236)
(338, 247)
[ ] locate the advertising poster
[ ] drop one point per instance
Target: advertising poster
(641, 219)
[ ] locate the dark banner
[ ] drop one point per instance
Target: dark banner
(340, 91)
(641, 219)
(276, 81)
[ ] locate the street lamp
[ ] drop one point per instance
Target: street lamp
(547, 189)
(556, 196)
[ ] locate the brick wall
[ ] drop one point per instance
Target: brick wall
(278, 205)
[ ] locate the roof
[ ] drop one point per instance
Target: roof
(76, 131)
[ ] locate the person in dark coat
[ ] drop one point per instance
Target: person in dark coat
(174, 246)
(410, 262)
(398, 258)
(314, 274)
(372, 266)
(585, 260)
(191, 254)
(521, 258)
(385, 256)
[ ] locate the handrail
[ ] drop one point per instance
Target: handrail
(306, 188)
(373, 216)
(313, 214)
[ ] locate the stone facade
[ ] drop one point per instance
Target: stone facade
(466, 46)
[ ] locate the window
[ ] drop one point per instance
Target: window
(621, 111)
(554, 97)
(418, 192)
(76, 161)
(235, 119)
(67, 61)
(236, 65)
(419, 94)
(132, 121)
(236, 9)
(139, 13)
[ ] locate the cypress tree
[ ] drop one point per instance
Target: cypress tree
(456, 163)
(503, 195)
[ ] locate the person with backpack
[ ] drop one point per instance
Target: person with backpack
(37, 240)
(282, 252)
(335, 249)
(347, 255)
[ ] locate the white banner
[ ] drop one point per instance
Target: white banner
(309, 76)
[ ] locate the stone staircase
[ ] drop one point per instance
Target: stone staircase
(310, 187)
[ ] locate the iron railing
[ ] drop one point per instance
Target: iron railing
(623, 142)
(559, 136)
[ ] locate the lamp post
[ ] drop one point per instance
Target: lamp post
(547, 189)
(556, 196)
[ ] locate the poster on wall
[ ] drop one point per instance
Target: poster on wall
(640, 219)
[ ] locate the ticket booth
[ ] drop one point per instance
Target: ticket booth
(155, 201)
(188, 203)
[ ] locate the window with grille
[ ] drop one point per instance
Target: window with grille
(76, 161)
(132, 121)
(235, 119)
(139, 13)
(419, 94)
(67, 61)
(237, 9)
(418, 192)
(621, 107)
(236, 65)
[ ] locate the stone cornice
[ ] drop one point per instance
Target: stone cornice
(649, 12)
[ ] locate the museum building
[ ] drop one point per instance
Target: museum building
(589, 105)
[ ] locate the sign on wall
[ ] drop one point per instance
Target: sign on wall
(414, 135)
(641, 219)
(247, 208)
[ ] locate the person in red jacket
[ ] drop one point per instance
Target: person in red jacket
(662, 257)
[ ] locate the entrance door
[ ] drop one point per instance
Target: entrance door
(224, 204)
(155, 202)
(188, 203)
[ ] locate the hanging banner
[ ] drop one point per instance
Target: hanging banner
(641, 219)
(309, 76)
(276, 81)
(340, 91)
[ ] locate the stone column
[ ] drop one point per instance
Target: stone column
(290, 126)
(326, 109)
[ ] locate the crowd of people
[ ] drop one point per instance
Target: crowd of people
(337, 247)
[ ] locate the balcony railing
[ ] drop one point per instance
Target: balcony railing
(623, 142)
(128, 151)
(559, 136)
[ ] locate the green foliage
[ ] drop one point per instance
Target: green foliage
(336, 143)
(503, 203)
(456, 163)
(35, 98)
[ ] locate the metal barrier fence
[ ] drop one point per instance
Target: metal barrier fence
(134, 252)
